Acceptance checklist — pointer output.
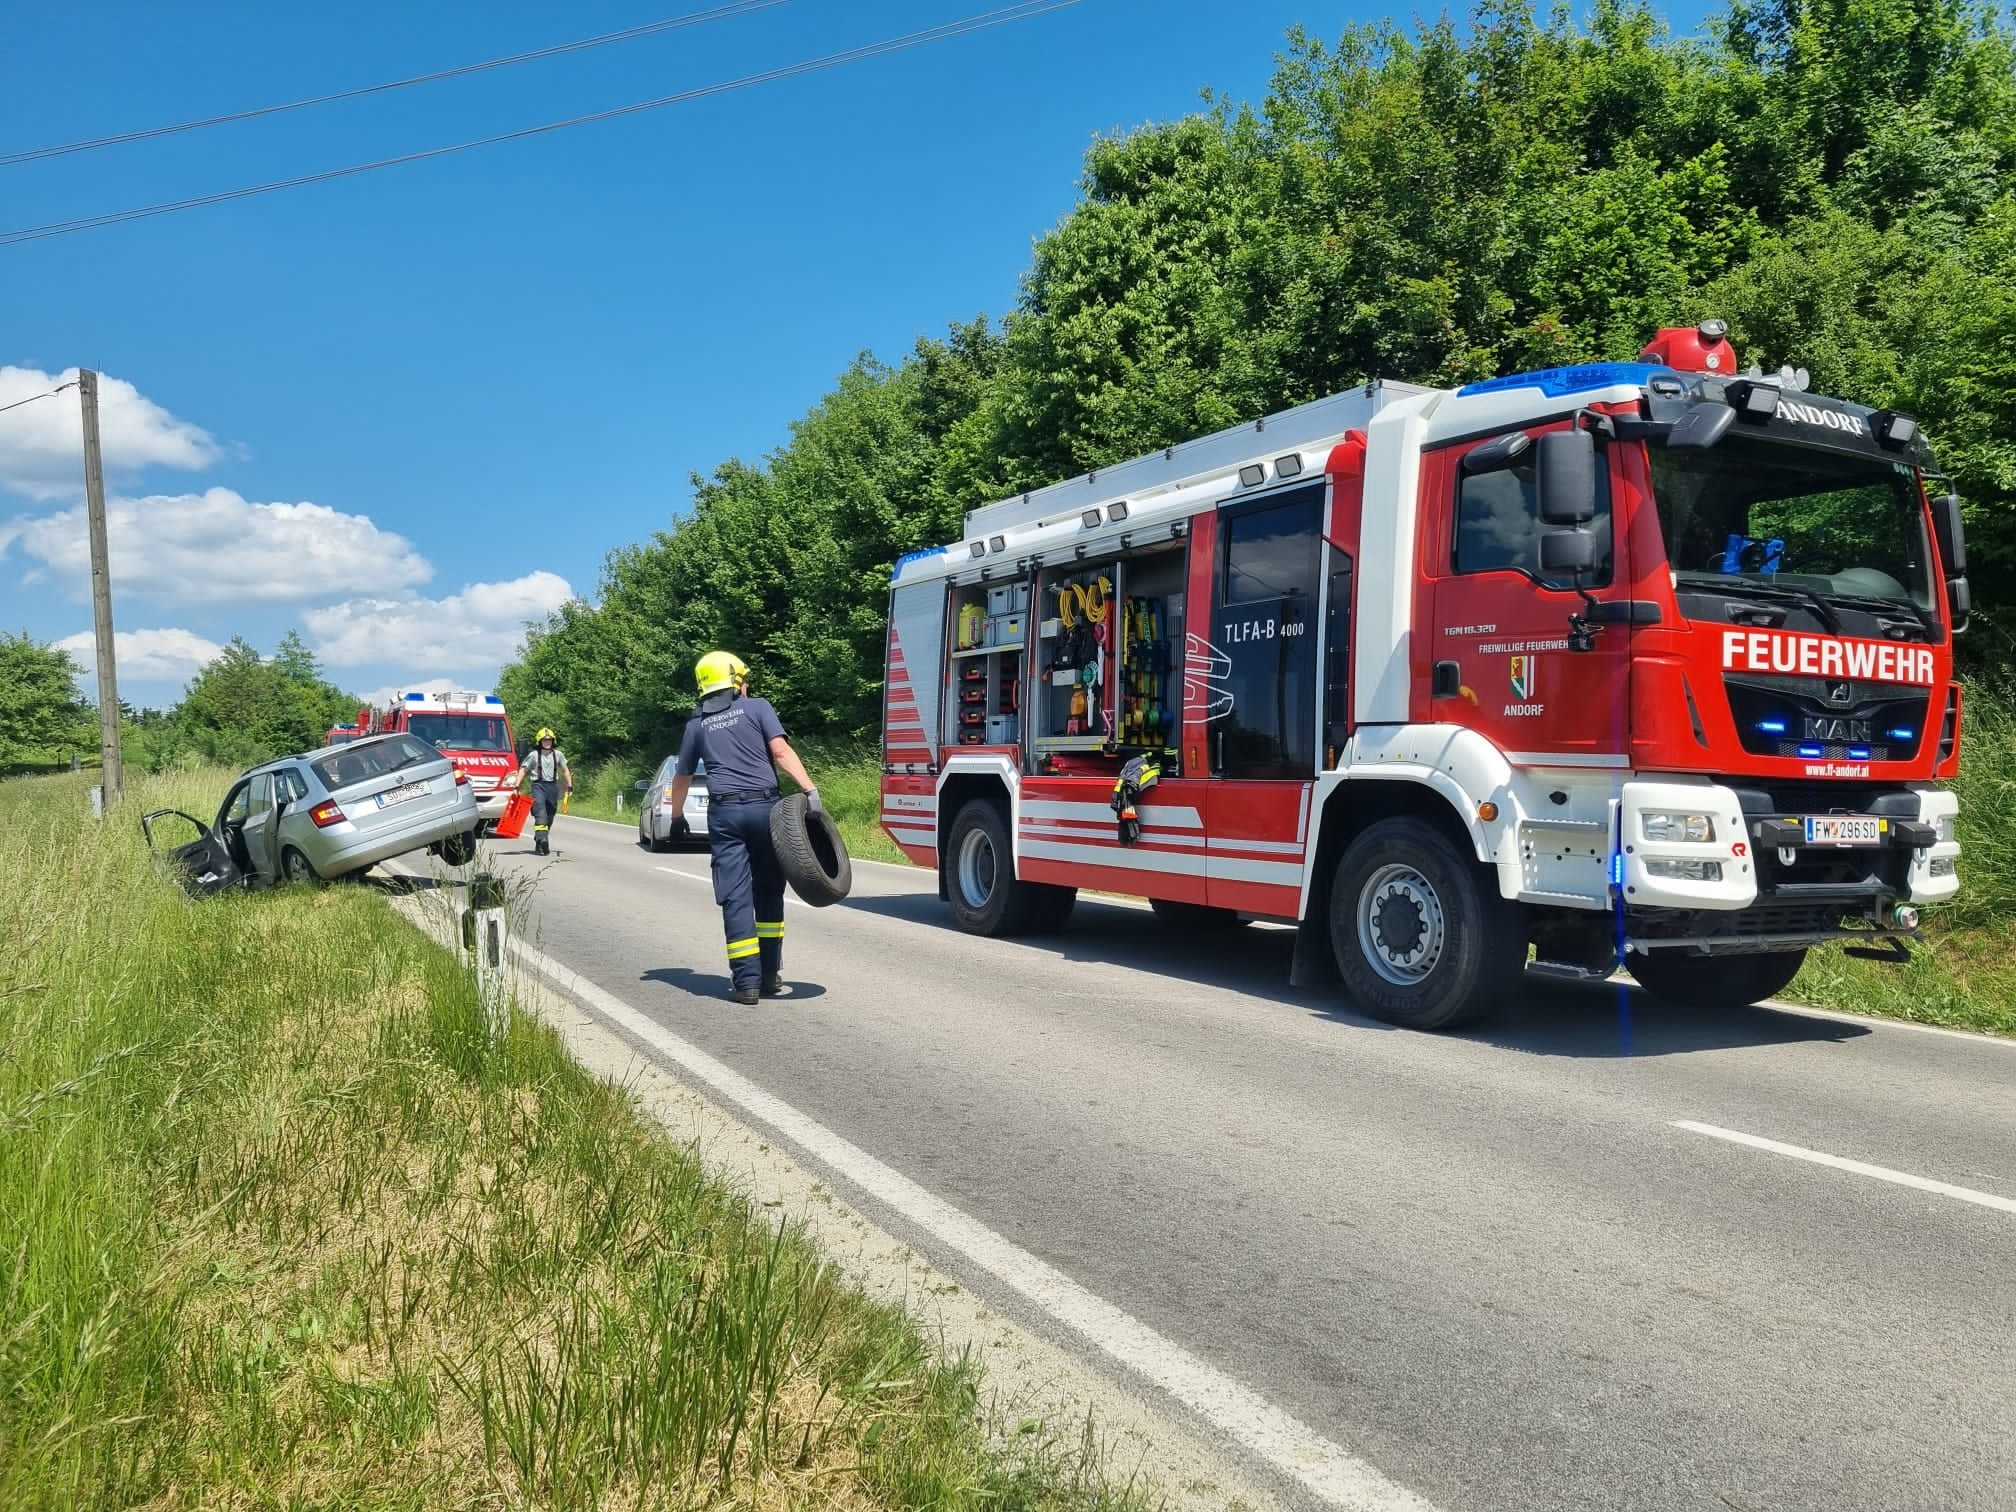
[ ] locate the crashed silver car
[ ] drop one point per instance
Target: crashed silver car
(326, 813)
(658, 828)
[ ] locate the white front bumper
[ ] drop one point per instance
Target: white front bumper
(1728, 849)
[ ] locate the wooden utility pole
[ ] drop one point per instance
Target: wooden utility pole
(101, 591)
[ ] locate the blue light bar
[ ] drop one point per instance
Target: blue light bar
(416, 698)
(1900, 734)
(1858, 753)
(1555, 382)
(1617, 867)
(1771, 726)
(1810, 750)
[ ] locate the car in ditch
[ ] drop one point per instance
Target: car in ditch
(658, 828)
(328, 813)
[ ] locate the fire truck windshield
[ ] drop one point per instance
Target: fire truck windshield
(460, 732)
(1768, 533)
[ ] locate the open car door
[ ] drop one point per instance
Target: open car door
(203, 865)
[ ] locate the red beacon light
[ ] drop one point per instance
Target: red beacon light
(1697, 349)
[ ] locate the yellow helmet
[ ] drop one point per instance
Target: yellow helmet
(719, 669)
(544, 734)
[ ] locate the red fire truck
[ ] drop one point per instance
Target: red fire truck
(1646, 661)
(470, 729)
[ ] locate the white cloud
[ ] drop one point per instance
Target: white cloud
(217, 547)
(480, 627)
(165, 655)
(42, 444)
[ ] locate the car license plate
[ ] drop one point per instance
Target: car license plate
(699, 800)
(401, 794)
(1833, 830)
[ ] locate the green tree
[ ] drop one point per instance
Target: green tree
(41, 714)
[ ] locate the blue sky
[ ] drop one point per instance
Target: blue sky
(467, 380)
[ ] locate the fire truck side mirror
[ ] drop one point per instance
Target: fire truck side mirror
(1702, 426)
(1959, 603)
(1567, 553)
(1952, 536)
(1565, 471)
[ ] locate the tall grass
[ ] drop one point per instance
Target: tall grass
(283, 1225)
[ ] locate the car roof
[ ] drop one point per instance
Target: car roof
(321, 751)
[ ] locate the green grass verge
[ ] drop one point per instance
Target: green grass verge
(284, 1226)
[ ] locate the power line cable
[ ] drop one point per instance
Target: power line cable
(33, 397)
(628, 34)
(1027, 10)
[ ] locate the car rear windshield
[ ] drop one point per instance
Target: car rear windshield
(378, 758)
(461, 732)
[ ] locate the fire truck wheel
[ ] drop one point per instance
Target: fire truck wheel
(1725, 981)
(1196, 918)
(980, 879)
(1421, 936)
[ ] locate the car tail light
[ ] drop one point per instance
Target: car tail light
(461, 778)
(326, 814)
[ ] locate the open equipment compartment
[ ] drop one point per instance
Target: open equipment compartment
(989, 635)
(1107, 675)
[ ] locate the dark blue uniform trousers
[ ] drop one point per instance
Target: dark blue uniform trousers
(748, 886)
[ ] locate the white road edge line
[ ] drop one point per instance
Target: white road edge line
(1279, 1439)
(1856, 1167)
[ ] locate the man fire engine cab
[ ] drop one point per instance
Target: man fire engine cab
(1644, 661)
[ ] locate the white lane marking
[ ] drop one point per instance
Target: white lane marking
(673, 871)
(1857, 1167)
(1286, 1443)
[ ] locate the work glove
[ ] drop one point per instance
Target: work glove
(812, 804)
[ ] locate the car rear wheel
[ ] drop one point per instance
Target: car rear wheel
(295, 867)
(459, 850)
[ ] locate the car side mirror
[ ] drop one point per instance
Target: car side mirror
(641, 785)
(1565, 474)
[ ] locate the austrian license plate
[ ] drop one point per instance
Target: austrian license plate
(1832, 829)
(700, 800)
(401, 794)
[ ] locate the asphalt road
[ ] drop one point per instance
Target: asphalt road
(1495, 1265)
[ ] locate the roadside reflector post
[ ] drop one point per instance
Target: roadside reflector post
(486, 936)
(97, 802)
(619, 803)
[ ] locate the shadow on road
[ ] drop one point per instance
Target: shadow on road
(707, 984)
(1537, 1017)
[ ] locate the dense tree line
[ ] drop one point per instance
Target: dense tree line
(240, 709)
(1836, 178)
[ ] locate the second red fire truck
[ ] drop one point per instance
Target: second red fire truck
(1647, 659)
(471, 729)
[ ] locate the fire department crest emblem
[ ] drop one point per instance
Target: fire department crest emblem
(1522, 678)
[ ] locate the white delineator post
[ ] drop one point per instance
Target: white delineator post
(486, 935)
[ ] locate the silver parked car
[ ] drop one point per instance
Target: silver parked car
(324, 813)
(657, 826)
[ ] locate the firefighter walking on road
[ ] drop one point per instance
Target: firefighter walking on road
(552, 780)
(739, 736)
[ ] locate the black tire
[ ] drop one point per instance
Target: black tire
(1724, 981)
(296, 868)
(810, 852)
(1196, 918)
(1421, 936)
(459, 850)
(980, 881)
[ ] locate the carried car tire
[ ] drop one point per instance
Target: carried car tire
(1421, 935)
(1197, 918)
(810, 852)
(1727, 981)
(296, 867)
